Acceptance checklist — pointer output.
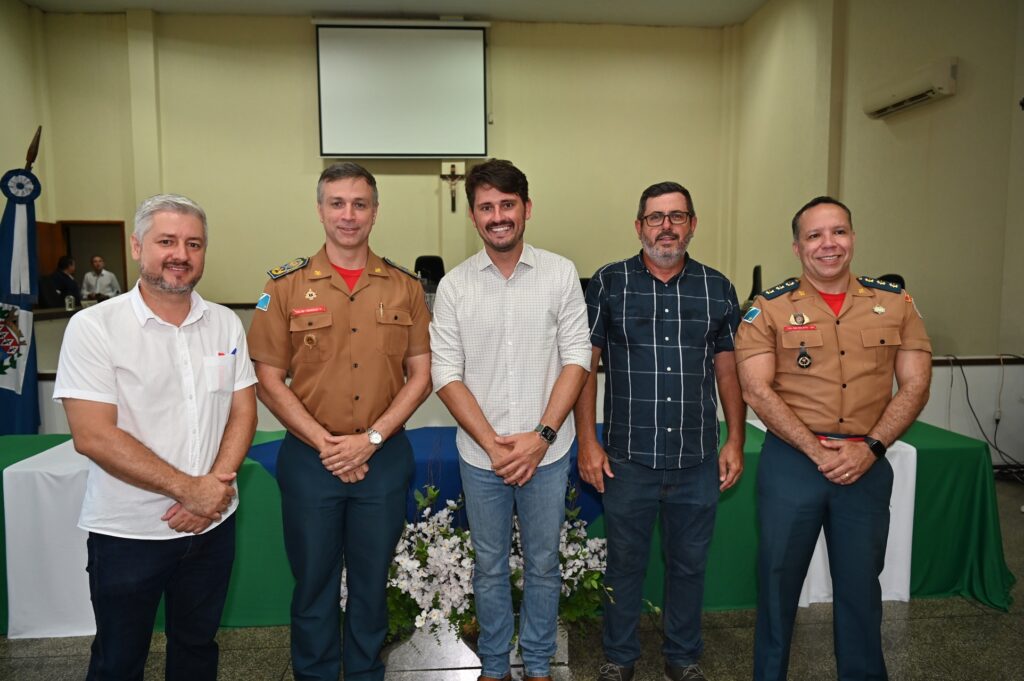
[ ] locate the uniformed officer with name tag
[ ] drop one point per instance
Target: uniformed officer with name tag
(351, 331)
(817, 356)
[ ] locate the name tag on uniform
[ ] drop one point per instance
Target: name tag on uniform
(800, 327)
(298, 312)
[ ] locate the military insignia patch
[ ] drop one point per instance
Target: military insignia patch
(880, 284)
(751, 315)
(264, 302)
(288, 268)
(399, 267)
(776, 291)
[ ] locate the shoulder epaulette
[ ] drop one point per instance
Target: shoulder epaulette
(399, 267)
(880, 284)
(288, 268)
(779, 289)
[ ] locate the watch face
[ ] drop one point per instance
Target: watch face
(375, 437)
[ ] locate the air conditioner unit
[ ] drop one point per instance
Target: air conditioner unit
(934, 81)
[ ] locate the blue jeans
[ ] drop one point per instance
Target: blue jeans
(127, 578)
(540, 505)
(687, 499)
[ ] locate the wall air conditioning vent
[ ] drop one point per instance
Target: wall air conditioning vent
(935, 81)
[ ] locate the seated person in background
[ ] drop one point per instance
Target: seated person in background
(99, 284)
(55, 287)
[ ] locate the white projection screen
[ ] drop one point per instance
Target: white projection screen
(394, 91)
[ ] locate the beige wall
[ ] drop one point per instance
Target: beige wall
(782, 130)
(753, 119)
(929, 186)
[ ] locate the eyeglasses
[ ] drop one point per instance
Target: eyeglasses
(676, 217)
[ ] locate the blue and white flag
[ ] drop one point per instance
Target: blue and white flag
(19, 399)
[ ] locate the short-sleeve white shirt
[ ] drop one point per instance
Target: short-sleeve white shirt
(508, 341)
(172, 387)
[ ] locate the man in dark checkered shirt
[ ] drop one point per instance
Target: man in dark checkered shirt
(664, 324)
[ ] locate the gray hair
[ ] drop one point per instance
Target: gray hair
(343, 171)
(166, 203)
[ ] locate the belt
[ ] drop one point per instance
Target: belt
(839, 436)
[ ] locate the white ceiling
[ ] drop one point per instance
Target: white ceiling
(635, 12)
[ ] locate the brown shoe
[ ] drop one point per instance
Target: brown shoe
(507, 677)
(537, 678)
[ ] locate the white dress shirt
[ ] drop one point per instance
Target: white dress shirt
(508, 340)
(173, 388)
(104, 283)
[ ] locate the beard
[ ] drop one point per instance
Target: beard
(666, 254)
(156, 281)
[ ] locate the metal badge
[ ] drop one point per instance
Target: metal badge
(878, 309)
(803, 360)
(798, 319)
(310, 340)
(310, 294)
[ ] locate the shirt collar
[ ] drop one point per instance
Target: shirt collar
(143, 313)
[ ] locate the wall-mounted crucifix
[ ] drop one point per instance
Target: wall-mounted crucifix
(452, 178)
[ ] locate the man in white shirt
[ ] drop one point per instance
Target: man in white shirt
(99, 284)
(511, 351)
(158, 390)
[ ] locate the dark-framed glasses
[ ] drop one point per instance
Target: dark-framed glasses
(676, 217)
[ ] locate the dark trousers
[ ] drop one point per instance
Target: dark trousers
(687, 500)
(127, 578)
(794, 502)
(328, 523)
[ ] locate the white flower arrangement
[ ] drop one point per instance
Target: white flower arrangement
(431, 579)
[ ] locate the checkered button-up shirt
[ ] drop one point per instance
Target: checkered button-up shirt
(658, 341)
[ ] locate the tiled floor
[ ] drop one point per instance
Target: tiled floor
(925, 640)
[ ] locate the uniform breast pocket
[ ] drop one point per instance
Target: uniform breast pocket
(219, 373)
(884, 341)
(312, 337)
(797, 354)
(393, 325)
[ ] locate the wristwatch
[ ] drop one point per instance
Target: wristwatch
(876, 446)
(376, 439)
(547, 433)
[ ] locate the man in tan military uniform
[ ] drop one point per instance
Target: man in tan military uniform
(351, 330)
(817, 356)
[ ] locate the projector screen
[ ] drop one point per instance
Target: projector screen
(392, 91)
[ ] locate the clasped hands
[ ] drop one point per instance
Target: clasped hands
(204, 499)
(843, 462)
(514, 458)
(345, 456)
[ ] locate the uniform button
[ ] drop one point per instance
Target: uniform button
(837, 322)
(396, 318)
(666, 309)
(669, 399)
(356, 365)
(359, 430)
(881, 342)
(669, 430)
(666, 337)
(840, 420)
(357, 397)
(309, 323)
(354, 329)
(668, 368)
(842, 352)
(844, 385)
(352, 299)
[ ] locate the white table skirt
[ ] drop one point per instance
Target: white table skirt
(895, 578)
(47, 585)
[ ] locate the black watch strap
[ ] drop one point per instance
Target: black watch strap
(876, 446)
